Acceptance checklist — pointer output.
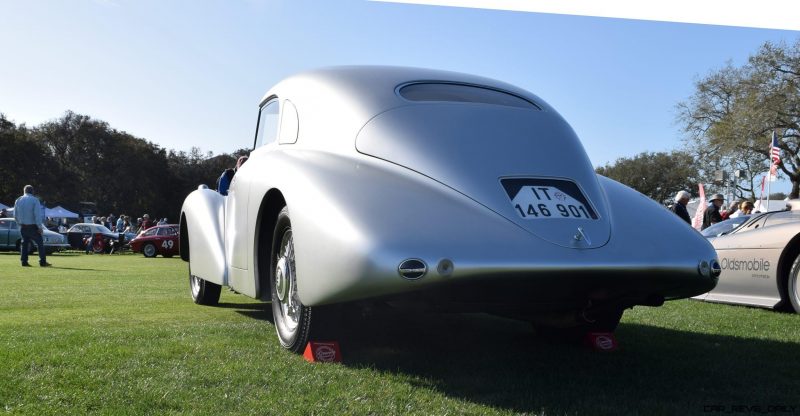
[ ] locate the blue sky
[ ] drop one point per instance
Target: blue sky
(190, 73)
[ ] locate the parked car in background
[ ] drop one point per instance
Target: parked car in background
(760, 260)
(430, 189)
(11, 238)
(103, 239)
(725, 227)
(161, 239)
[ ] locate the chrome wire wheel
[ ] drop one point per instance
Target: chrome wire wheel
(292, 318)
(194, 285)
(203, 292)
(793, 286)
(286, 288)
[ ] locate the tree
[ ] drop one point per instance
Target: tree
(730, 118)
(657, 175)
(24, 161)
(76, 158)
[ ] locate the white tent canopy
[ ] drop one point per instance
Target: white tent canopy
(59, 212)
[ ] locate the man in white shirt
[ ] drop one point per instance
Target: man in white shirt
(29, 216)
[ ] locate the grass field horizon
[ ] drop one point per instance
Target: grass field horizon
(119, 335)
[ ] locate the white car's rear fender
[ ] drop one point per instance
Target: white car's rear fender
(203, 219)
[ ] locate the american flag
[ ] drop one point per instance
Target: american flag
(775, 151)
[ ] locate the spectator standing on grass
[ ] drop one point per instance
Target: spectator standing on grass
(732, 209)
(746, 208)
(681, 199)
(712, 214)
(146, 223)
(28, 214)
(130, 227)
(120, 223)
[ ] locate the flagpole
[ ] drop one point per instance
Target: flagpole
(769, 183)
(771, 162)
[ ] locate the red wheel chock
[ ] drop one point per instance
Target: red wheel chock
(323, 352)
(602, 341)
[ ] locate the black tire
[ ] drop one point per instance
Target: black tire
(793, 286)
(203, 292)
(149, 250)
(292, 318)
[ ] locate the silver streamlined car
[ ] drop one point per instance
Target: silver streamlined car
(760, 260)
(412, 186)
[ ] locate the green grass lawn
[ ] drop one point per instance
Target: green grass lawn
(120, 335)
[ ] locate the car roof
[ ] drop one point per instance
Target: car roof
(376, 85)
(359, 93)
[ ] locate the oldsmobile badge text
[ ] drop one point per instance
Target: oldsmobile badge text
(754, 265)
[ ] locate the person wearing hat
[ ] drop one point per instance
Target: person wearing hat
(681, 199)
(713, 215)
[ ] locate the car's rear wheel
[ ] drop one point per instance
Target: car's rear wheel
(292, 318)
(149, 250)
(793, 285)
(203, 291)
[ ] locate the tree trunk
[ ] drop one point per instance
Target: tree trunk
(795, 188)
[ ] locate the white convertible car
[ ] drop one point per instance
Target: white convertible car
(418, 187)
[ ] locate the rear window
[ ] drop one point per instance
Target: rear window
(439, 91)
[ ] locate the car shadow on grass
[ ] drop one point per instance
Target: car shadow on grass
(504, 364)
(260, 311)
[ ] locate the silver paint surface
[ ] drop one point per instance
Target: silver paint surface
(374, 179)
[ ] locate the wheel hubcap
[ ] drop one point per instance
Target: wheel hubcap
(149, 250)
(281, 279)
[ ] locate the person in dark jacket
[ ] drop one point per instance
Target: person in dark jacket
(713, 215)
(681, 199)
(224, 180)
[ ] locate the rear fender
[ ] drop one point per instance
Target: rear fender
(203, 219)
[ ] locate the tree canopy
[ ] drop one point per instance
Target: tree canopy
(76, 158)
(730, 118)
(658, 175)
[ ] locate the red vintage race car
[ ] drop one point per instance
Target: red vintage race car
(161, 239)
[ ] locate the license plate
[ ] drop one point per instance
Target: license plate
(547, 198)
